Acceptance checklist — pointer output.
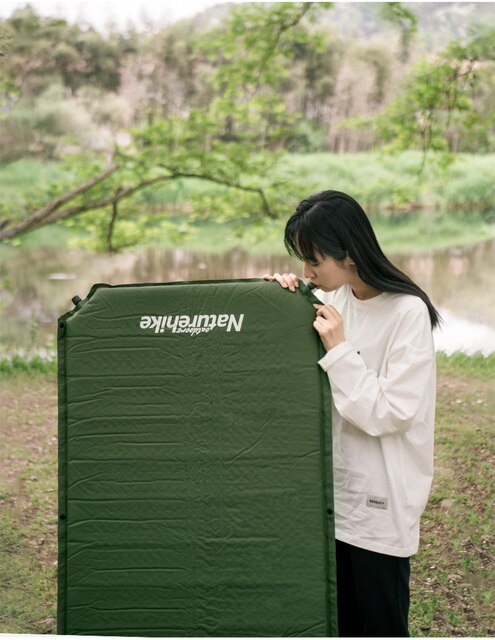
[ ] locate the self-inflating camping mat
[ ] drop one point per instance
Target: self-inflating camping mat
(195, 472)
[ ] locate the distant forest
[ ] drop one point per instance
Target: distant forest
(65, 86)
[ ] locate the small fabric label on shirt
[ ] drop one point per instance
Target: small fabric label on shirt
(377, 502)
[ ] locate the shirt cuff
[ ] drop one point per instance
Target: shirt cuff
(334, 354)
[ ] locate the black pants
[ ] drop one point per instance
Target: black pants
(372, 593)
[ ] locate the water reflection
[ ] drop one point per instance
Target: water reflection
(460, 282)
(459, 279)
(39, 284)
(459, 334)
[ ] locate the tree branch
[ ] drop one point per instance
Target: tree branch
(51, 212)
(227, 183)
(282, 28)
(32, 222)
(122, 192)
(111, 226)
(42, 216)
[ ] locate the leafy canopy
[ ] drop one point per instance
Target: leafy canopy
(232, 145)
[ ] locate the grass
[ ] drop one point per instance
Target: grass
(385, 181)
(453, 577)
(413, 233)
(36, 364)
(17, 177)
(453, 585)
(456, 204)
(28, 502)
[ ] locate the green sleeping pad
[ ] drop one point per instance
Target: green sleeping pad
(195, 466)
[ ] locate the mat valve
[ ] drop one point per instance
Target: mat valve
(76, 300)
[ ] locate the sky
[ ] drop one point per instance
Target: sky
(100, 12)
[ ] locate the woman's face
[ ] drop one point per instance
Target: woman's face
(327, 273)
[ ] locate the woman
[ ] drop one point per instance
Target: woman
(376, 326)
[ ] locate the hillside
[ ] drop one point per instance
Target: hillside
(438, 22)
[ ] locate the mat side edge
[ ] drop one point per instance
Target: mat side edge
(62, 479)
(327, 499)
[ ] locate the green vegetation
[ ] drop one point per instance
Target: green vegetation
(474, 366)
(389, 183)
(453, 584)
(28, 502)
(33, 365)
(386, 183)
(206, 134)
(221, 106)
(453, 580)
(444, 209)
(437, 109)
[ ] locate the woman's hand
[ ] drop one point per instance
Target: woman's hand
(286, 280)
(329, 325)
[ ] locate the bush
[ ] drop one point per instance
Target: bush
(306, 137)
(469, 182)
(36, 364)
(50, 124)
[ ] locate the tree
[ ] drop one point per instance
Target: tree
(171, 68)
(231, 144)
(406, 20)
(439, 107)
(46, 49)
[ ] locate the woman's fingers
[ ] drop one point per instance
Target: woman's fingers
(289, 281)
(326, 310)
(329, 325)
(286, 280)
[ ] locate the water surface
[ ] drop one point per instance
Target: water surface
(38, 284)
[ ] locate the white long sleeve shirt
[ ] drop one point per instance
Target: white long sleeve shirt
(383, 383)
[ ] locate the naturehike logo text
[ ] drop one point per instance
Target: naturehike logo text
(192, 325)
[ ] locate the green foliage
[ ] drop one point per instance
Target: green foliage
(55, 123)
(480, 44)
(418, 118)
(36, 364)
(263, 81)
(406, 20)
(231, 143)
(387, 186)
(252, 49)
(306, 137)
(272, 68)
(252, 55)
(468, 184)
(475, 366)
(131, 230)
(440, 102)
(45, 48)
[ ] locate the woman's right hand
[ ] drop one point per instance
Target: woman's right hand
(286, 280)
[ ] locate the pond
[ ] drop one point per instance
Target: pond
(38, 285)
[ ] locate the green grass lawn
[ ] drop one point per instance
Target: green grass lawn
(453, 578)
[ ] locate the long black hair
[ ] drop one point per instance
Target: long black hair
(332, 223)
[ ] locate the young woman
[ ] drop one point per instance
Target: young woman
(376, 326)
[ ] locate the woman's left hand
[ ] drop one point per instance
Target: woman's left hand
(329, 325)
